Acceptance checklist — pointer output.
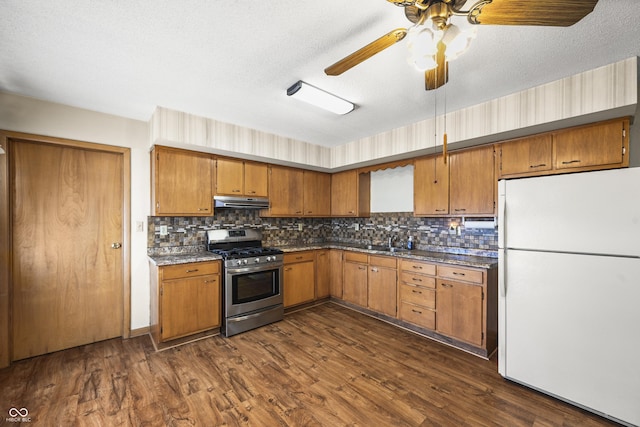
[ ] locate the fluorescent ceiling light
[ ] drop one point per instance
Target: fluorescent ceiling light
(318, 97)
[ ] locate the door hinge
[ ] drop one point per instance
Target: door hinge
(624, 150)
(482, 295)
(624, 132)
(482, 336)
(161, 290)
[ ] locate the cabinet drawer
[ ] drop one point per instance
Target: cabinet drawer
(417, 279)
(418, 295)
(191, 269)
(418, 315)
(418, 267)
(461, 274)
(356, 257)
(299, 257)
(382, 261)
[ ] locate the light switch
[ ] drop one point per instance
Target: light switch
(139, 226)
(163, 230)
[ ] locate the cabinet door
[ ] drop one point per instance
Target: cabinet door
(526, 156)
(459, 311)
(431, 186)
(229, 177)
(182, 183)
(323, 274)
(472, 182)
(189, 305)
(256, 179)
(382, 293)
(336, 272)
(299, 283)
(355, 283)
(286, 191)
(600, 144)
(317, 194)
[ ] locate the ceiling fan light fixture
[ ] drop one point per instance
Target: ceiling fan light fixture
(457, 41)
(320, 98)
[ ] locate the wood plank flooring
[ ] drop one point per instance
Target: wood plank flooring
(324, 366)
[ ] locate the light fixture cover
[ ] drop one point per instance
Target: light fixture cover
(319, 98)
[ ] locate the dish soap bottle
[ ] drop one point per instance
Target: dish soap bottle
(410, 243)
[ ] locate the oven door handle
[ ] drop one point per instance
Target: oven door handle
(253, 269)
(246, 317)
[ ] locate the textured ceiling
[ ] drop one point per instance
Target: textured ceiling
(233, 60)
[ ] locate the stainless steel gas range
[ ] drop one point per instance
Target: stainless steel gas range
(252, 279)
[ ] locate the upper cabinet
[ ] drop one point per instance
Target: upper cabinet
(236, 177)
(316, 193)
(431, 186)
(181, 182)
(350, 194)
(286, 191)
(472, 182)
(601, 145)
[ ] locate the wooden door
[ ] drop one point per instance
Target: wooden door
(431, 186)
(530, 155)
(599, 144)
(229, 177)
(382, 294)
(336, 268)
(355, 283)
(317, 194)
(299, 283)
(182, 183)
(255, 179)
(286, 202)
(67, 212)
(344, 193)
(472, 183)
(459, 311)
(323, 274)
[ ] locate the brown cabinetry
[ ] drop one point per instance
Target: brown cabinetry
(185, 299)
(316, 194)
(350, 194)
(323, 273)
(355, 278)
(181, 182)
(417, 293)
(461, 312)
(337, 271)
(602, 145)
(382, 285)
(299, 278)
(431, 186)
(472, 182)
(286, 191)
(235, 177)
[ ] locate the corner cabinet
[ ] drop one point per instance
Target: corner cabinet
(185, 300)
(285, 192)
(316, 194)
(181, 182)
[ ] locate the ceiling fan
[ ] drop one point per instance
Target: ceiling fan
(431, 47)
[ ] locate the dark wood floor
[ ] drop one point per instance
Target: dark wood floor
(324, 366)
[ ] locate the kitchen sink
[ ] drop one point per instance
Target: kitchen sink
(384, 248)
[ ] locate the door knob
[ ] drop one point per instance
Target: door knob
(116, 245)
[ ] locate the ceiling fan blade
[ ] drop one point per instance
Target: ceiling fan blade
(366, 52)
(559, 13)
(438, 76)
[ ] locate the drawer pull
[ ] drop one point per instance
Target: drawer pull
(416, 292)
(210, 281)
(299, 257)
(203, 209)
(455, 273)
(288, 269)
(192, 271)
(440, 210)
(361, 268)
(460, 210)
(570, 161)
(415, 279)
(375, 270)
(417, 267)
(538, 166)
(446, 285)
(416, 311)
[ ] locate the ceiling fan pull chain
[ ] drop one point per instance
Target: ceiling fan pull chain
(444, 138)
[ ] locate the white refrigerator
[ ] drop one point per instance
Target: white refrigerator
(569, 288)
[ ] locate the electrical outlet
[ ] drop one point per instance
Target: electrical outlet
(356, 226)
(163, 230)
(139, 226)
(299, 226)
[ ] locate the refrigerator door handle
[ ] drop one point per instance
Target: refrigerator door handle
(502, 213)
(502, 271)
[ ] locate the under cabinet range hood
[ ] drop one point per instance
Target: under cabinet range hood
(239, 202)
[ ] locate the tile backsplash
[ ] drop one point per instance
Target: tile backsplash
(188, 234)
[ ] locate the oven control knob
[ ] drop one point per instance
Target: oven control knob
(257, 260)
(269, 259)
(245, 261)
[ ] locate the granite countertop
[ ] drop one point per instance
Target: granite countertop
(431, 256)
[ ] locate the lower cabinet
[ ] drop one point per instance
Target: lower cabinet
(185, 299)
(299, 278)
(417, 293)
(354, 289)
(323, 273)
(336, 272)
(382, 289)
(460, 311)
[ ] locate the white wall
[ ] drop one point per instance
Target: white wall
(29, 115)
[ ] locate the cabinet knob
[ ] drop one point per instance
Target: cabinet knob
(116, 245)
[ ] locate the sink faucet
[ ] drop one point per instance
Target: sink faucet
(391, 239)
